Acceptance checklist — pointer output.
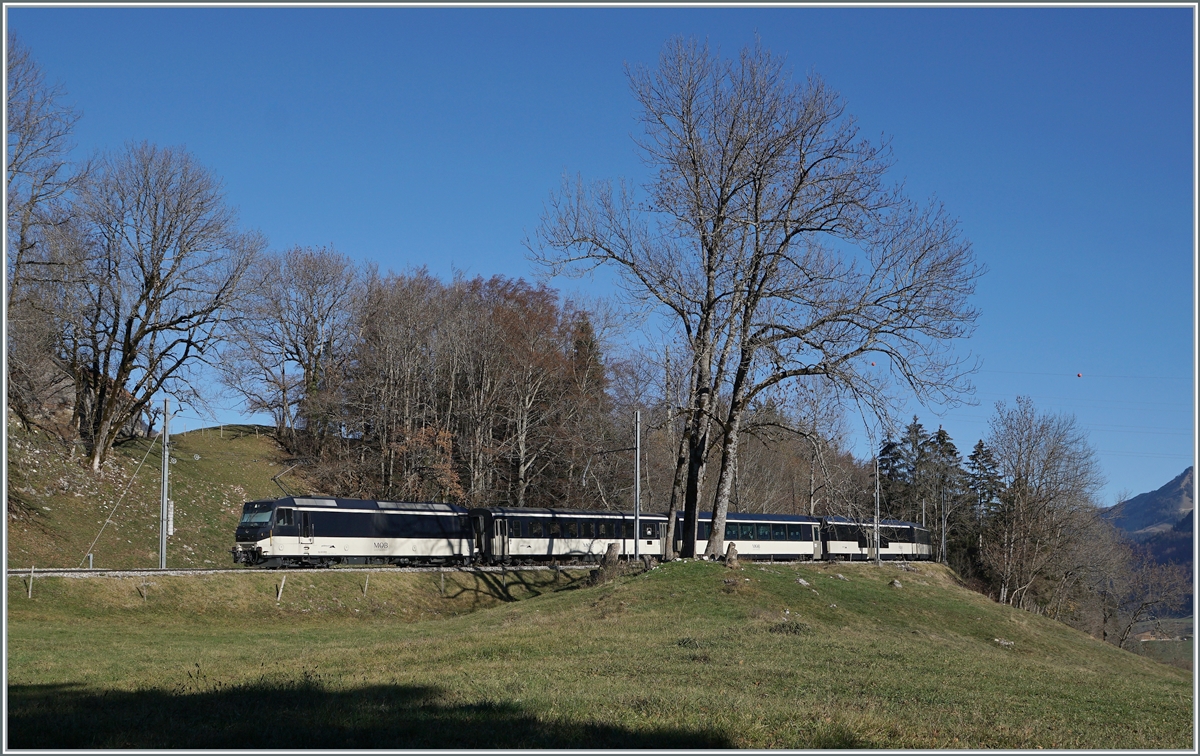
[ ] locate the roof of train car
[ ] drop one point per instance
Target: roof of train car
(542, 511)
(890, 523)
(759, 517)
(329, 501)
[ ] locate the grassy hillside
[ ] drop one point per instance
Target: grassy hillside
(688, 655)
(56, 507)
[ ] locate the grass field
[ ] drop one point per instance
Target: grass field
(689, 655)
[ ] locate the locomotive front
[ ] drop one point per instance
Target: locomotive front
(253, 537)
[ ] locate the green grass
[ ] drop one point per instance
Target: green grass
(689, 655)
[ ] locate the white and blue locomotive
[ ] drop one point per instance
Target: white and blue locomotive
(317, 531)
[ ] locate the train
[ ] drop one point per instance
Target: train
(310, 531)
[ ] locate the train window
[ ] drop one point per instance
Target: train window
(606, 529)
(810, 533)
(795, 532)
(779, 532)
(747, 531)
(764, 531)
(285, 517)
(535, 528)
(589, 530)
(514, 528)
(649, 530)
(573, 529)
(555, 530)
(703, 531)
(731, 531)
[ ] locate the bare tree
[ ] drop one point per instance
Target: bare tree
(770, 236)
(293, 334)
(153, 265)
(40, 173)
(1050, 477)
(40, 178)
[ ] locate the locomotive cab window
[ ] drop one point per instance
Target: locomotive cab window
(285, 517)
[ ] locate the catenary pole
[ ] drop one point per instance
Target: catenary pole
(637, 483)
(877, 557)
(166, 467)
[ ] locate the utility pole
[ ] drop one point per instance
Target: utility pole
(166, 468)
(637, 482)
(877, 557)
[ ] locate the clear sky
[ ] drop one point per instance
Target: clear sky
(1062, 138)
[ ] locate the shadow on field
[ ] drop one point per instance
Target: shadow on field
(303, 715)
(505, 585)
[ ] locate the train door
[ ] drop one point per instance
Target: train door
(499, 538)
(816, 537)
(306, 527)
(479, 522)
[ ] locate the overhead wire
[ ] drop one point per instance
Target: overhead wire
(129, 485)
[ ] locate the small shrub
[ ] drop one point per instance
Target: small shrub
(789, 628)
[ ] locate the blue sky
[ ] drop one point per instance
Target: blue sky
(1062, 138)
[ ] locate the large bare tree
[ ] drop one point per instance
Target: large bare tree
(40, 178)
(151, 270)
(295, 330)
(769, 235)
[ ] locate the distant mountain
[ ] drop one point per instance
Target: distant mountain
(1148, 515)
(1161, 523)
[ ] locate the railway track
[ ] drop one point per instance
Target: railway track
(71, 572)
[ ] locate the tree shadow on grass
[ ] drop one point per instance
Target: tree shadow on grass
(505, 585)
(304, 714)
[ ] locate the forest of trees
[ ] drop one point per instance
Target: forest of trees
(801, 293)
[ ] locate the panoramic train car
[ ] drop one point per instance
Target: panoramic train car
(312, 531)
(528, 534)
(761, 536)
(850, 540)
